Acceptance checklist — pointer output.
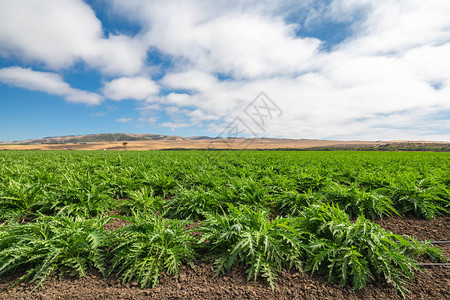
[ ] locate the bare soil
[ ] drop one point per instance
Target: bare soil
(434, 230)
(432, 283)
(115, 224)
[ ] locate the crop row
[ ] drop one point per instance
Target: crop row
(322, 239)
(88, 184)
(309, 211)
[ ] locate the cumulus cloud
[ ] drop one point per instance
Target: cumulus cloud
(62, 33)
(392, 27)
(235, 38)
(137, 88)
(147, 121)
(388, 78)
(99, 114)
(173, 125)
(124, 120)
(46, 82)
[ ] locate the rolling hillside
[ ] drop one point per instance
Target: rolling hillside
(115, 141)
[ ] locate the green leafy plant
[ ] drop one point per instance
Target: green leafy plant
(292, 203)
(160, 182)
(53, 245)
(191, 204)
(310, 180)
(359, 252)
(250, 238)
(80, 195)
(355, 201)
(421, 198)
(19, 201)
(142, 200)
(149, 246)
(247, 191)
(304, 186)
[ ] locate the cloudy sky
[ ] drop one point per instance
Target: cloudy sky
(336, 69)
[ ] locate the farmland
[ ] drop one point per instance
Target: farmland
(150, 220)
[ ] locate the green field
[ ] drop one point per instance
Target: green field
(266, 210)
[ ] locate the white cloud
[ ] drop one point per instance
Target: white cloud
(392, 27)
(388, 79)
(62, 33)
(191, 79)
(240, 39)
(148, 120)
(173, 125)
(124, 120)
(138, 88)
(99, 114)
(429, 63)
(50, 83)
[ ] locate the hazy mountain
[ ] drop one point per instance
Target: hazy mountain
(115, 141)
(97, 138)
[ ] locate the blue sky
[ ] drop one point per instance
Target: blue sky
(336, 69)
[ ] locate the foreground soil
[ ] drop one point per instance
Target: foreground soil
(432, 283)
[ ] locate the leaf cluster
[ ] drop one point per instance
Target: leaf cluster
(149, 246)
(53, 245)
(358, 252)
(248, 237)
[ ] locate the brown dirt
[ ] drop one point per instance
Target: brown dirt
(432, 283)
(193, 226)
(115, 224)
(435, 230)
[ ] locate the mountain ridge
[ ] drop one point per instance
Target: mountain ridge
(95, 138)
(128, 137)
(132, 141)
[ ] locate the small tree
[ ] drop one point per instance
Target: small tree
(124, 145)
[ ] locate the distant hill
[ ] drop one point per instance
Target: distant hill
(115, 141)
(97, 138)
